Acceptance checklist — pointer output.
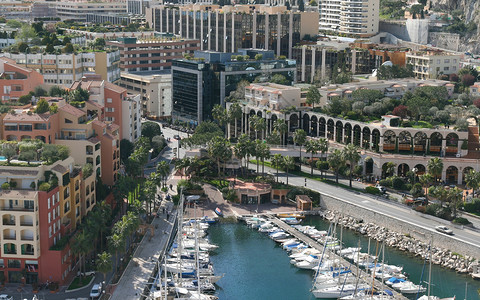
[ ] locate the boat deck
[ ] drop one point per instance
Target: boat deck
(314, 244)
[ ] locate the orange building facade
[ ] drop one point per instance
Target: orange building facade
(16, 81)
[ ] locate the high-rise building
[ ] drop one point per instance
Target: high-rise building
(199, 83)
(230, 28)
(352, 17)
(77, 11)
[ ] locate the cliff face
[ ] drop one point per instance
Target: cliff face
(469, 11)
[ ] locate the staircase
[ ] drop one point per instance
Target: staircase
(473, 143)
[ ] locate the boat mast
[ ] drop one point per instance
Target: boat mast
(430, 268)
(383, 267)
(374, 268)
(196, 247)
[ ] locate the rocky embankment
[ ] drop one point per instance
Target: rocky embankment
(443, 257)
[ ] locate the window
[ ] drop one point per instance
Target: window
(447, 61)
(68, 121)
(109, 100)
(110, 109)
(48, 203)
(446, 68)
(49, 217)
(49, 231)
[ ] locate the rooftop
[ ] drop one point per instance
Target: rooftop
(72, 110)
(24, 116)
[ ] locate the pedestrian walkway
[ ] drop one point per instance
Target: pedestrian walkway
(139, 270)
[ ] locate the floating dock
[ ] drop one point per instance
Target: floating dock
(314, 244)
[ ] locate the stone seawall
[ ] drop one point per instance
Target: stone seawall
(400, 226)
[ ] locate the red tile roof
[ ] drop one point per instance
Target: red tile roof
(69, 109)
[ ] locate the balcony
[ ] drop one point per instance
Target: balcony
(8, 222)
(27, 238)
(10, 237)
(17, 208)
(26, 223)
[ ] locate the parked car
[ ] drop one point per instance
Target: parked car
(96, 291)
(444, 229)
(381, 189)
(177, 137)
(416, 201)
(6, 297)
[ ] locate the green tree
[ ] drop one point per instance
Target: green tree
(279, 79)
(14, 23)
(104, 264)
(235, 112)
(426, 180)
(9, 150)
(126, 149)
(323, 148)
(257, 124)
(28, 155)
(42, 106)
(300, 137)
(281, 126)
(313, 96)
(50, 49)
(56, 91)
(220, 114)
(219, 149)
(68, 48)
(163, 169)
(350, 154)
(312, 147)
(472, 179)
(435, 167)
(389, 168)
(262, 151)
(301, 5)
(117, 244)
(336, 161)
(454, 198)
(288, 163)
(26, 33)
(81, 246)
(23, 47)
(277, 160)
(150, 129)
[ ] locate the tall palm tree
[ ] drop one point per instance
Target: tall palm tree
(235, 113)
(350, 154)
(163, 169)
(312, 147)
(288, 164)
(277, 161)
(323, 148)
(389, 168)
(281, 126)
(454, 198)
(300, 137)
(336, 161)
(435, 167)
(220, 114)
(104, 263)
(425, 180)
(472, 179)
(81, 246)
(220, 150)
(117, 244)
(263, 152)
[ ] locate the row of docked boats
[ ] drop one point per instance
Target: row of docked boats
(186, 271)
(333, 277)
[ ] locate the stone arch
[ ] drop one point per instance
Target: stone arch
(368, 165)
(339, 131)
(259, 114)
(41, 137)
(386, 172)
(27, 249)
(348, 133)
(306, 123)
(357, 135)
(465, 172)
(11, 137)
(293, 120)
(403, 169)
(322, 127)
(330, 129)
(366, 137)
(419, 141)
(452, 144)
(404, 141)
(26, 137)
(314, 126)
(435, 142)
(375, 139)
(451, 175)
(421, 170)
(389, 140)
(252, 112)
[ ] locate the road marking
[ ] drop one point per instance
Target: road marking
(365, 201)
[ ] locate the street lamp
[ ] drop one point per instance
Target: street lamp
(414, 170)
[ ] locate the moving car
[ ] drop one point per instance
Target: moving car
(177, 137)
(381, 189)
(444, 229)
(96, 291)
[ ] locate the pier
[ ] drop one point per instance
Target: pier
(314, 244)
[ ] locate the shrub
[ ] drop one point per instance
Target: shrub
(420, 209)
(473, 207)
(5, 186)
(397, 183)
(386, 182)
(44, 187)
(462, 221)
(372, 190)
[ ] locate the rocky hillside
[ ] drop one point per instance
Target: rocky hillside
(467, 12)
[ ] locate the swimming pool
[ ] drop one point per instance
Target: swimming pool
(2, 158)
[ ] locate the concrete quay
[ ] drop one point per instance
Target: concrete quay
(314, 244)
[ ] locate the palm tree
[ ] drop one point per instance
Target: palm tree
(389, 168)
(281, 126)
(300, 137)
(288, 163)
(220, 114)
(163, 169)
(350, 154)
(220, 150)
(256, 124)
(454, 198)
(104, 263)
(183, 164)
(312, 147)
(235, 113)
(435, 167)
(277, 161)
(262, 151)
(81, 246)
(472, 180)
(336, 161)
(117, 244)
(425, 180)
(323, 148)
(240, 148)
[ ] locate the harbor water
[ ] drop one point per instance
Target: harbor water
(255, 267)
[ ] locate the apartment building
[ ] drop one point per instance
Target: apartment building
(111, 98)
(23, 126)
(359, 18)
(199, 84)
(34, 221)
(77, 11)
(155, 90)
(229, 28)
(430, 64)
(152, 53)
(16, 81)
(274, 96)
(109, 137)
(64, 69)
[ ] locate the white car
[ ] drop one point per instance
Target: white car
(444, 229)
(96, 291)
(6, 297)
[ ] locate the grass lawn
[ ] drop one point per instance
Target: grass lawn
(80, 282)
(219, 184)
